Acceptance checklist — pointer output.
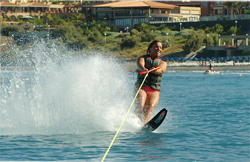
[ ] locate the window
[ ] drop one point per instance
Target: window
(204, 4)
(103, 8)
(220, 12)
(219, 2)
(123, 22)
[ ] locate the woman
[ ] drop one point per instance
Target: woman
(149, 94)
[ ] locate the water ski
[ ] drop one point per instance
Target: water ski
(156, 121)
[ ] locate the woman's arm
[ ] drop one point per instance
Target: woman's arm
(141, 63)
(163, 67)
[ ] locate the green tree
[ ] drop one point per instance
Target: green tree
(77, 19)
(209, 40)
(232, 30)
(103, 27)
(218, 29)
(57, 20)
(38, 21)
(48, 18)
(215, 38)
(60, 22)
(85, 28)
(234, 6)
(194, 41)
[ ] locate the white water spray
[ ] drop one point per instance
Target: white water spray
(50, 90)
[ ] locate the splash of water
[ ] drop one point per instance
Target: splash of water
(50, 90)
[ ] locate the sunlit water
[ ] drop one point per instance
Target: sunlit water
(56, 105)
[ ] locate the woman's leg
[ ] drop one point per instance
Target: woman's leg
(151, 102)
(141, 100)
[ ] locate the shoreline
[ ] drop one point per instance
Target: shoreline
(200, 68)
(131, 66)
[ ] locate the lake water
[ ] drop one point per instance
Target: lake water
(63, 108)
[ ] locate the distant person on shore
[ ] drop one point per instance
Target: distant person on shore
(210, 66)
(149, 94)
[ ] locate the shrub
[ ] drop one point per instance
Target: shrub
(246, 12)
(162, 27)
(158, 32)
(55, 2)
(77, 43)
(38, 21)
(129, 42)
(121, 35)
(147, 36)
(139, 28)
(175, 28)
(173, 33)
(109, 33)
(184, 33)
(115, 29)
(245, 53)
(146, 27)
(4, 24)
(10, 28)
(134, 32)
(96, 37)
(71, 35)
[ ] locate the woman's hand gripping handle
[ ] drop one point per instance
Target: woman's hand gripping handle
(148, 71)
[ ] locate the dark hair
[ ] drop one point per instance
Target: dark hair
(151, 44)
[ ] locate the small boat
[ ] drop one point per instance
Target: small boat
(211, 72)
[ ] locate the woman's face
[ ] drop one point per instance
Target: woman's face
(156, 50)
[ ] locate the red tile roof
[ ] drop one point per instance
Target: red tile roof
(160, 5)
(37, 4)
(5, 3)
(123, 4)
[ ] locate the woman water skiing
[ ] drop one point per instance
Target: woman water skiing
(149, 94)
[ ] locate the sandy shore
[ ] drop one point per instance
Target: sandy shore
(131, 66)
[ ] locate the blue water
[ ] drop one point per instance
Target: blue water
(74, 115)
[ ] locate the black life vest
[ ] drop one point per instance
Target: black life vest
(152, 80)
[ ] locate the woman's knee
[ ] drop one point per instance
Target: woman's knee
(153, 100)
